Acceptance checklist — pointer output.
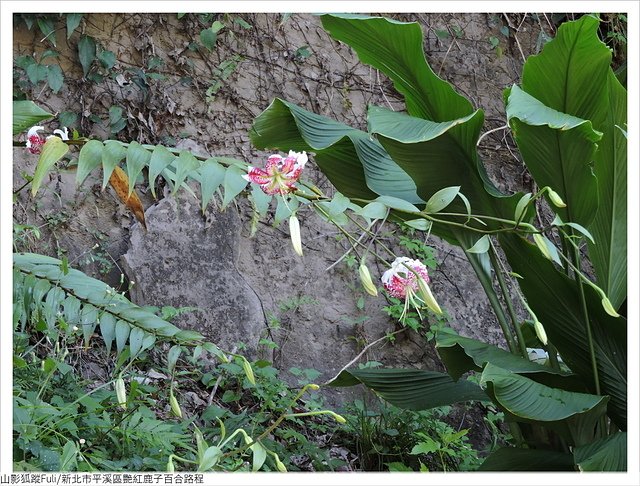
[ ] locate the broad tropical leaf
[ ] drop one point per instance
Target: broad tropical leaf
(556, 301)
(529, 400)
(572, 75)
(536, 460)
(461, 354)
(607, 454)
(440, 155)
(27, 114)
(396, 49)
(356, 165)
(558, 150)
(609, 228)
(410, 388)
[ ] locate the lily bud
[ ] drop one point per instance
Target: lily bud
(365, 278)
(542, 245)
(427, 296)
(246, 366)
(338, 418)
(121, 393)
(170, 466)
(175, 406)
(540, 332)
(279, 464)
(294, 231)
(606, 304)
(556, 199)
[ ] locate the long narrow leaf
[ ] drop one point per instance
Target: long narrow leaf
(52, 151)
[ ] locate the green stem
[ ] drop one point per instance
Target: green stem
(516, 432)
(507, 299)
(370, 233)
(268, 430)
(486, 283)
(181, 459)
(553, 356)
(349, 236)
(587, 323)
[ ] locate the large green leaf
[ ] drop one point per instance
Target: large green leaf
(27, 114)
(438, 148)
(356, 165)
(439, 155)
(461, 354)
(516, 459)
(527, 400)
(410, 388)
(558, 150)
(396, 49)
(609, 228)
(607, 454)
(572, 75)
(556, 301)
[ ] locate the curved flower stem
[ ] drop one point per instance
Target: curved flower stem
(487, 285)
(491, 218)
(553, 356)
(585, 314)
(373, 235)
(350, 237)
(503, 287)
(269, 429)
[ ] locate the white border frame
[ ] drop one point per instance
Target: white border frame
(632, 477)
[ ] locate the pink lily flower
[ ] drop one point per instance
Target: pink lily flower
(279, 174)
(399, 280)
(407, 279)
(34, 140)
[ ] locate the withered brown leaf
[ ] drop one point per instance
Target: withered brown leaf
(120, 183)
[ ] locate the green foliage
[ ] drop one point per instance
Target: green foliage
(222, 72)
(177, 167)
(68, 299)
(390, 438)
(27, 114)
(564, 119)
(63, 421)
(411, 388)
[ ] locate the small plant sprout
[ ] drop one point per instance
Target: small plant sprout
(408, 279)
(279, 174)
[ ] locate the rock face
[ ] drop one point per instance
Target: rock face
(187, 260)
(253, 288)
